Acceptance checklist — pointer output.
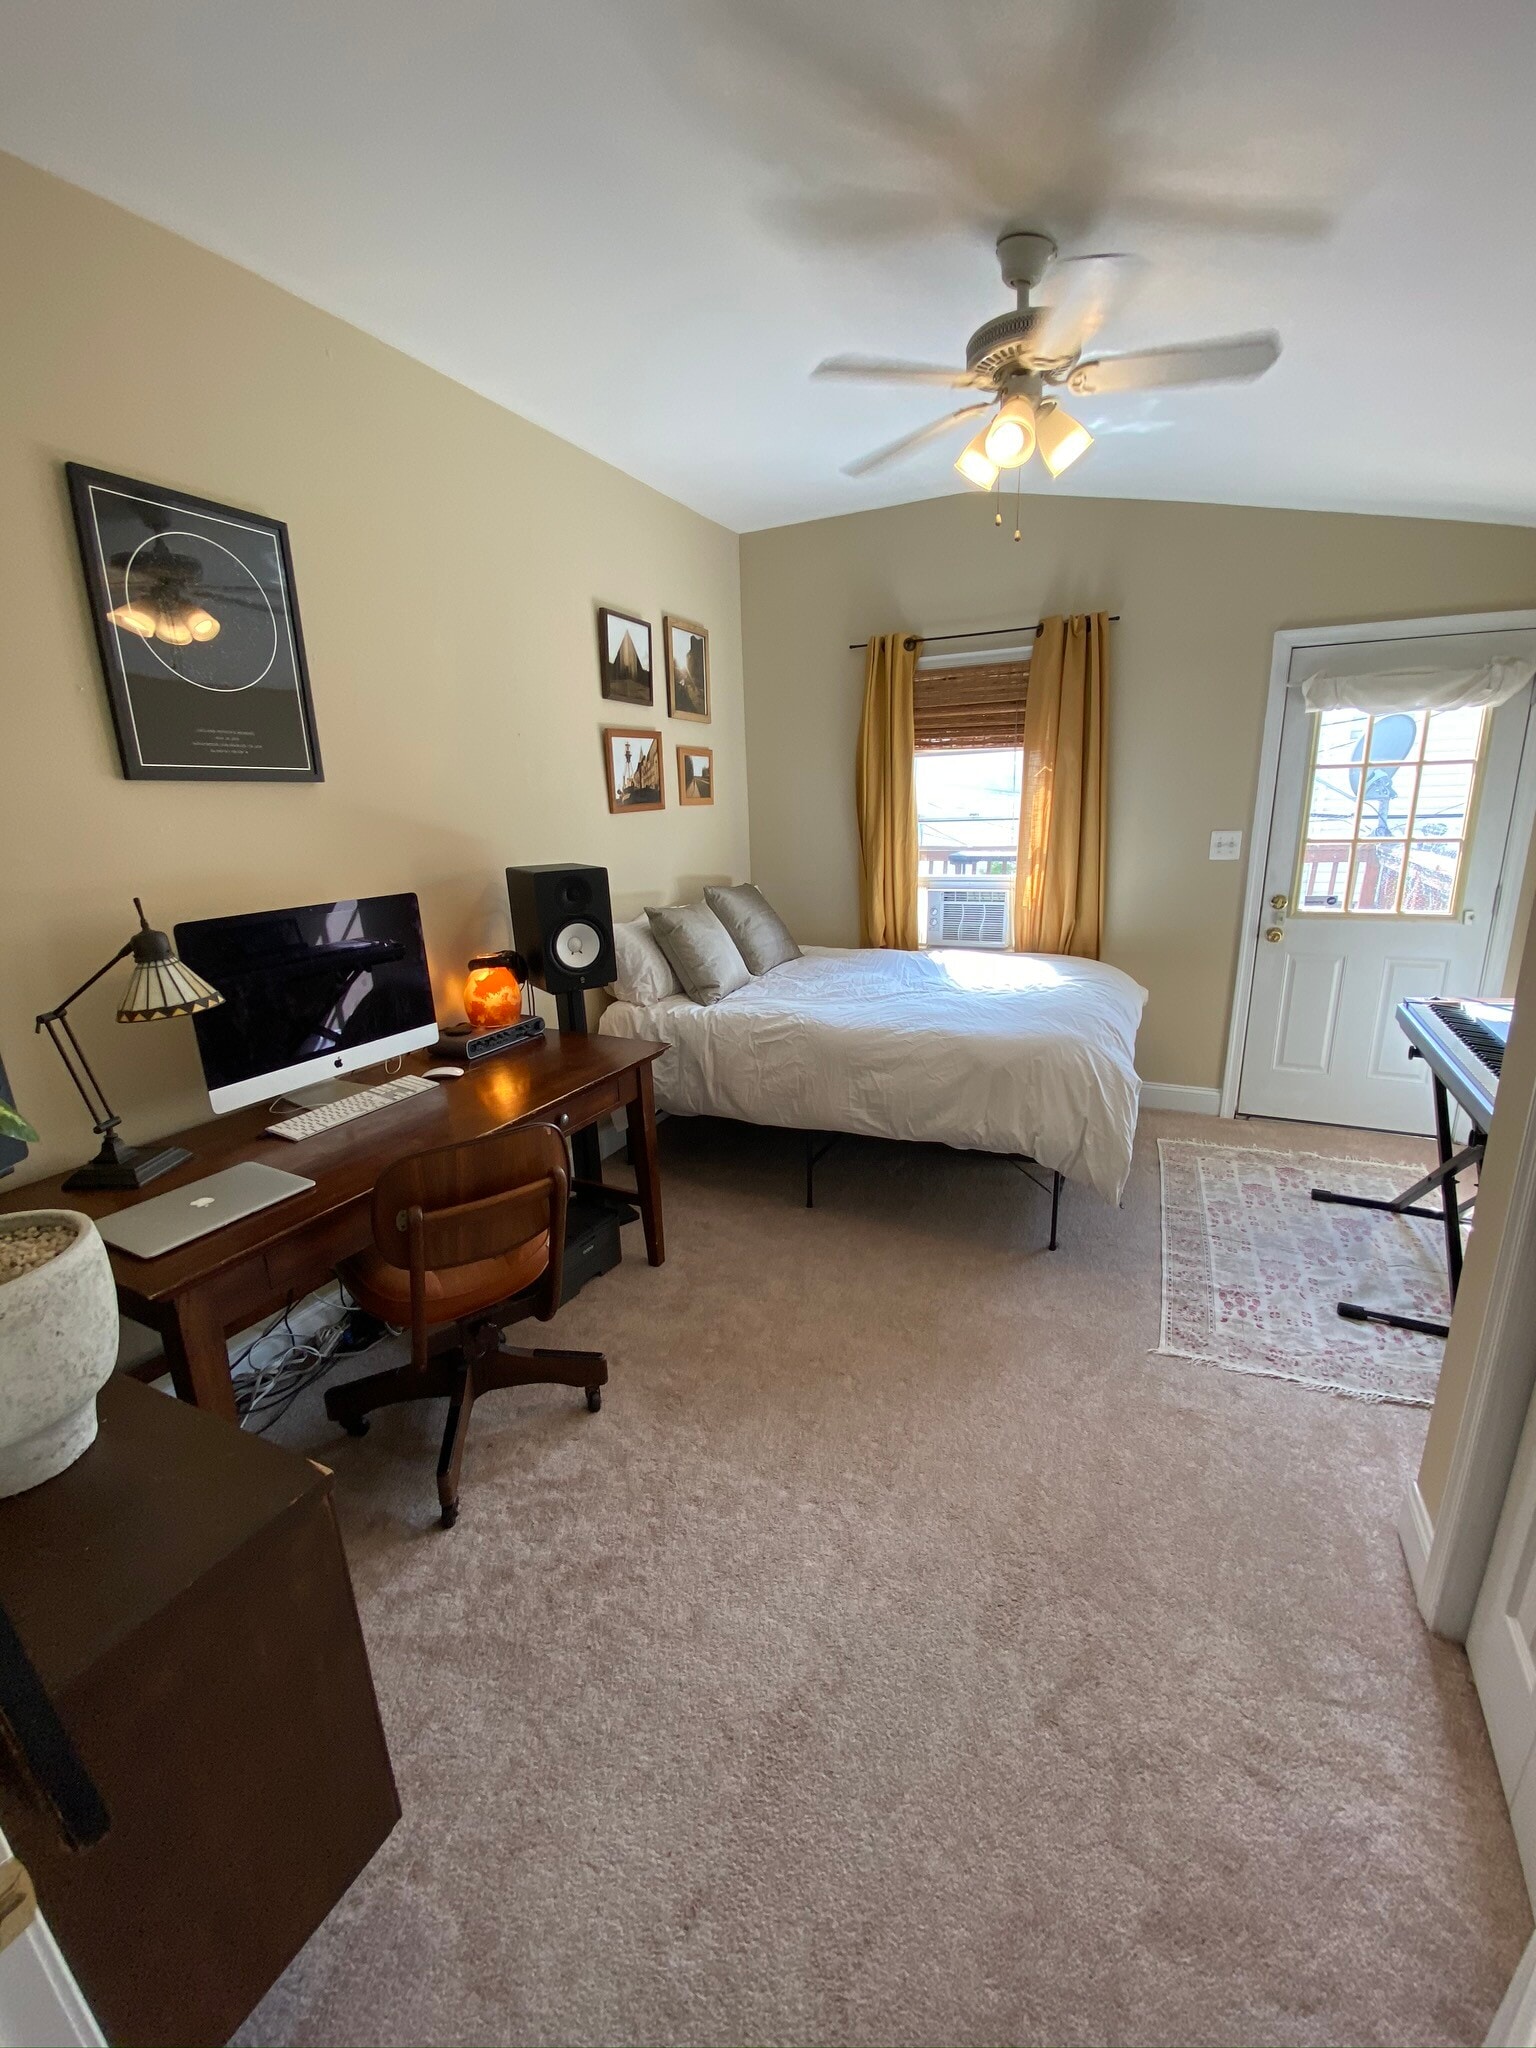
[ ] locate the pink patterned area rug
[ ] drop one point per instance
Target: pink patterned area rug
(1253, 1268)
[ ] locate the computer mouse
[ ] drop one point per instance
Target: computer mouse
(444, 1074)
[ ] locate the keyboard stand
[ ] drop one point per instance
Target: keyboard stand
(1442, 1177)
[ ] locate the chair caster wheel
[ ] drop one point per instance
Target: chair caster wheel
(594, 1399)
(358, 1426)
(449, 1516)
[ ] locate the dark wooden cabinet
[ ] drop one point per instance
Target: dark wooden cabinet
(182, 1594)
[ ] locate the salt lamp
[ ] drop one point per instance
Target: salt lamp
(493, 990)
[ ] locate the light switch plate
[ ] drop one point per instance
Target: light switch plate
(1226, 846)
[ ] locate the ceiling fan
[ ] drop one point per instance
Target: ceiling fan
(1018, 357)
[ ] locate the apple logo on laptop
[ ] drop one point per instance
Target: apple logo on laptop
(203, 1202)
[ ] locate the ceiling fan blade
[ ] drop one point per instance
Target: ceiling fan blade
(1082, 291)
(1236, 357)
(879, 370)
(893, 450)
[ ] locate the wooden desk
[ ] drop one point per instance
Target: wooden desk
(197, 1297)
(182, 1595)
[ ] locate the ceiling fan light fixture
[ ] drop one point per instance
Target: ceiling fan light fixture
(1061, 438)
(974, 463)
(1010, 440)
(133, 618)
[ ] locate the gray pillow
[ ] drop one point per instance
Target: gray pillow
(761, 935)
(702, 952)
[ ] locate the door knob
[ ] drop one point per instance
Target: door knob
(1274, 935)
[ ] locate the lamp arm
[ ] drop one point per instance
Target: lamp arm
(102, 1116)
(57, 1026)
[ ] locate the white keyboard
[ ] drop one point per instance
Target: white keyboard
(310, 1123)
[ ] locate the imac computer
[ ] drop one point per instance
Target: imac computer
(309, 995)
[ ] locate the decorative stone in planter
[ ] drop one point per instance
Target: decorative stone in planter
(58, 1341)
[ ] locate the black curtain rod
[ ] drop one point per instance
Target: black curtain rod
(976, 633)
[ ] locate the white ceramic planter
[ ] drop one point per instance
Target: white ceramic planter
(58, 1343)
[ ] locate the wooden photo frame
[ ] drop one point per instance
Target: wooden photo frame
(197, 626)
(686, 647)
(695, 775)
(624, 664)
(632, 764)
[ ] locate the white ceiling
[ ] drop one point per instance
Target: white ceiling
(641, 222)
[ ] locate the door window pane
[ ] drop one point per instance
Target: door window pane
(1334, 802)
(1454, 735)
(1395, 736)
(1376, 783)
(1341, 736)
(1429, 887)
(1386, 800)
(1378, 870)
(1325, 874)
(1445, 795)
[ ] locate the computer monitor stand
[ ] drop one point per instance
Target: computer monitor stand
(322, 1092)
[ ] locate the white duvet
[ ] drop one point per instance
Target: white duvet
(1025, 1053)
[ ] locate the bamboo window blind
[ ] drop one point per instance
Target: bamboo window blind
(977, 706)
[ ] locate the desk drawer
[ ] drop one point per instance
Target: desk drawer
(580, 1110)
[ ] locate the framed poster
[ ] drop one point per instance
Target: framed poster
(695, 775)
(687, 650)
(198, 630)
(624, 657)
(632, 759)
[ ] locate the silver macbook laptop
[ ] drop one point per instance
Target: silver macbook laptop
(166, 1221)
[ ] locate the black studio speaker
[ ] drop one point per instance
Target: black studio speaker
(562, 924)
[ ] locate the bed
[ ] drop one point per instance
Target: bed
(1029, 1055)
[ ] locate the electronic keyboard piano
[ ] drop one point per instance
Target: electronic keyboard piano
(1461, 1040)
(1462, 1043)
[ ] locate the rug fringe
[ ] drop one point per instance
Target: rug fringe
(1295, 1379)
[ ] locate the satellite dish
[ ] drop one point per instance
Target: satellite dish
(1395, 736)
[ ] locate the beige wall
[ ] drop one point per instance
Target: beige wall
(1201, 590)
(448, 557)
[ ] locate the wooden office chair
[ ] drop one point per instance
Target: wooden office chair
(466, 1240)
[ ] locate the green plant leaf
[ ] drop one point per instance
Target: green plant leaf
(14, 1125)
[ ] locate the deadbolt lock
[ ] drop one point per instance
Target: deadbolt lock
(1279, 902)
(1274, 935)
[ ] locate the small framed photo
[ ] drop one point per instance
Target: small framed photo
(624, 657)
(695, 775)
(197, 626)
(687, 648)
(632, 758)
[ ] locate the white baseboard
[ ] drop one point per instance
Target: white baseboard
(1415, 1532)
(1177, 1095)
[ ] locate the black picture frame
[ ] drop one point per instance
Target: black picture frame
(625, 657)
(228, 705)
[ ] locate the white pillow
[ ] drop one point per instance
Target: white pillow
(644, 972)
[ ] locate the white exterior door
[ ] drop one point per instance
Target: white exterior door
(1502, 1647)
(1387, 850)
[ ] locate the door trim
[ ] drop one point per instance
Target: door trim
(1501, 1379)
(1286, 644)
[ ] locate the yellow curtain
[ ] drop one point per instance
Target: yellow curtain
(1058, 903)
(887, 803)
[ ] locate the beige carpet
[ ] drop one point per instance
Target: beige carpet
(904, 1655)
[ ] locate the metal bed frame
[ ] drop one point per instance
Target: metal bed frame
(819, 1143)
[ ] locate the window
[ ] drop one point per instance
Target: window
(1389, 799)
(968, 725)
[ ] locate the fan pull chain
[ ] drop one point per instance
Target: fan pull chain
(1018, 485)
